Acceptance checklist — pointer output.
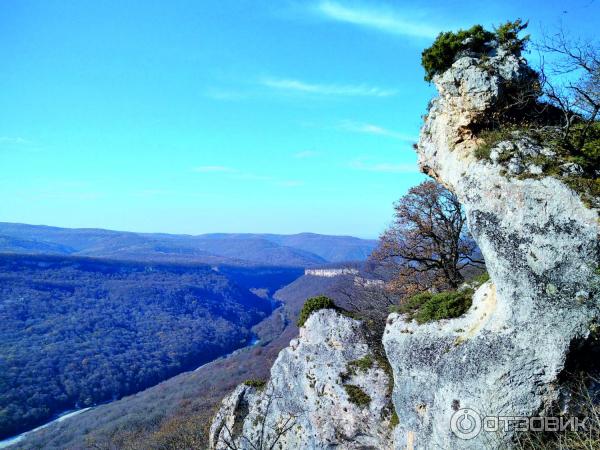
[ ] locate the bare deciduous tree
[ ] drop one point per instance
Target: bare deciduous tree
(428, 242)
(572, 82)
(370, 301)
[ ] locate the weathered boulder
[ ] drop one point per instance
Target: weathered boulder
(540, 244)
(305, 404)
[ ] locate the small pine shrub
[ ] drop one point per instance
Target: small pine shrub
(507, 35)
(427, 307)
(588, 156)
(441, 55)
(357, 396)
(314, 304)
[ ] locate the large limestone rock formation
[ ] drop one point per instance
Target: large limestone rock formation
(540, 244)
(505, 357)
(305, 404)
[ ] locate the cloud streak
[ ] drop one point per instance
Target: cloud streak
(216, 93)
(212, 169)
(368, 128)
(233, 173)
(384, 167)
(346, 90)
(14, 140)
(306, 154)
(384, 20)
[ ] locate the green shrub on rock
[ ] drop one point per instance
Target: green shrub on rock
(427, 307)
(507, 35)
(394, 421)
(364, 363)
(255, 383)
(314, 304)
(357, 396)
(441, 55)
(481, 278)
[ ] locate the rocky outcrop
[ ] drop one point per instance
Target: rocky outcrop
(505, 357)
(540, 244)
(307, 403)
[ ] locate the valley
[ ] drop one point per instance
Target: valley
(180, 407)
(79, 333)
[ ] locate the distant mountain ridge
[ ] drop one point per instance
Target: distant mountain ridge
(302, 250)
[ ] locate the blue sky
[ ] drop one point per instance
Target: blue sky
(230, 116)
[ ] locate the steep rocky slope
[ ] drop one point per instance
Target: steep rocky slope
(319, 395)
(540, 244)
(508, 356)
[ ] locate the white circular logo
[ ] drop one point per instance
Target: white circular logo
(466, 423)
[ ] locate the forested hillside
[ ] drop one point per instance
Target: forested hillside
(78, 331)
(176, 412)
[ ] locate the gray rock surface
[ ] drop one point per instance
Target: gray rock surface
(540, 243)
(306, 395)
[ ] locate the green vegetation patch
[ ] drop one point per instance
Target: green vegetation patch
(492, 137)
(364, 363)
(394, 420)
(352, 367)
(314, 304)
(567, 149)
(588, 189)
(427, 307)
(256, 383)
(481, 278)
(357, 395)
(441, 55)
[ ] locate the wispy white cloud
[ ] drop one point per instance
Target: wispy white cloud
(19, 144)
(153, 192)
(268, 179)
(306, 154)
(236, 174)
(290, 183)
(9, 140)
(253, 177)
(208, 169)
(368, 128)
(382, 19)
(67, 195)
(292, 85)
(225, 94)
(384, 167)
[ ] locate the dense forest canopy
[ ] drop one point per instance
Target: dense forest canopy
(77, 331)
